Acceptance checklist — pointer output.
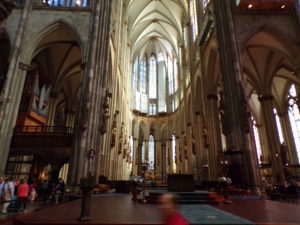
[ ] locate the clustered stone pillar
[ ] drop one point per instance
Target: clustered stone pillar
(213, 135)
(11, 94)
(272, 138)
(164, 161)
(235, 111)
(89, 133)
(288, 137)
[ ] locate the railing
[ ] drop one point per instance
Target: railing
(43, 130)
(62, 3)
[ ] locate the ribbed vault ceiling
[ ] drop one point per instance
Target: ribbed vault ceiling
(155, 25)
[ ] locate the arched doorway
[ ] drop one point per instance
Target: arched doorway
(48, 103)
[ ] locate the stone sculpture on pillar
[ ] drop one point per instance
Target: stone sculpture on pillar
(114, 130)
(194, 148)
(225, 122)
(121, 139)
(105, 117)
(85, 112)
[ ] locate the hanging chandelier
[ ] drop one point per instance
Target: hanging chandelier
(6, 6)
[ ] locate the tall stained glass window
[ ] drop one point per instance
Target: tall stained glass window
(175, 75)
(68, 3)
(173, 139)
(136, 73)
(194, 18)
(152, 109)
(143, 152)
(152, 77)
(170, 76)
(279, 128)
(151, 152)
(294, 115)
(131, 146)
(143, 75)
(256, 139)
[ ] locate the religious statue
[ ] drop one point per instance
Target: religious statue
(105, 115)
(85, 112)
(225, 122)
(121, 139)
(194, 148)
(114, 130)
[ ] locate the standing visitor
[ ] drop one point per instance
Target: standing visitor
(1, 187)
(23, 191)
(7, 194)
(59, 190)
(33, 192)
(168, 204)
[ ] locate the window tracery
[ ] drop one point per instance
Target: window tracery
(173, 139)
(151, 152)
(194, 19)
(294, 115)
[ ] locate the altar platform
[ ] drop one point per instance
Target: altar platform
(120, 210)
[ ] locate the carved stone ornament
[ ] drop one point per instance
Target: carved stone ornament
(114, 130)
(105, 117)
(225, 122)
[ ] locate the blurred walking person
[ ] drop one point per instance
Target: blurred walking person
(168, 204)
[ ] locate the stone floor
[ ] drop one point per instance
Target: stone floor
(265, 211)
(119, 209)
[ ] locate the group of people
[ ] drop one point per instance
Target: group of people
(12, 191)
(18, 193)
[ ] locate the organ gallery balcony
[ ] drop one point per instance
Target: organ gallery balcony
(43, 141)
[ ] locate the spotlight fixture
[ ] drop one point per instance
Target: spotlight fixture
(250, 6)
(283, 7)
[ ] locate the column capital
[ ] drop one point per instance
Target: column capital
(24, 67)
(263, 98)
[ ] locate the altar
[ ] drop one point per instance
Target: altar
(181, 183)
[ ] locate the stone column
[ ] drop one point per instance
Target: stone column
(289, 138)
(157, 159)
(236, 112)
(52, 108)
(214, 136)
(89, 129)
(164, 161)
(13, 88)
(139, 158)
(272, 138)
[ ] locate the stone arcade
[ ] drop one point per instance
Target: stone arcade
(105, 87)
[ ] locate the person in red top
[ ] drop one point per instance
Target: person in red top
(168, 204)
(23, 191)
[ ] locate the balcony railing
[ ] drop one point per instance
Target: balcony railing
(23, 130)
(63, 3)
